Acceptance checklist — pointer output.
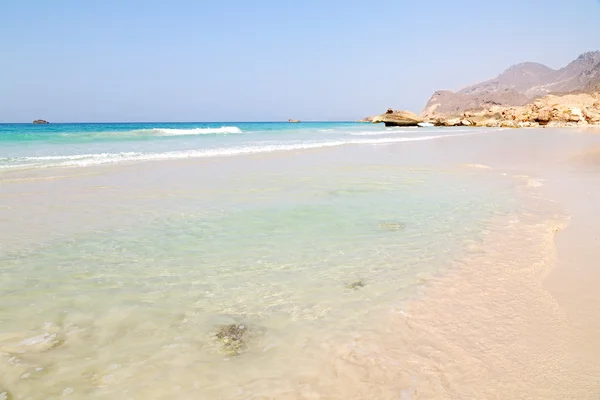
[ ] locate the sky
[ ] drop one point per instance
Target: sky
(265, 60)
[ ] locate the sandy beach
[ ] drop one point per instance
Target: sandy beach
(511, 312)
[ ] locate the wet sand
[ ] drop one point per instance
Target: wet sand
(538, 310)
(518, 317)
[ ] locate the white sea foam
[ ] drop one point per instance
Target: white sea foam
(194, 131)
(82, 160)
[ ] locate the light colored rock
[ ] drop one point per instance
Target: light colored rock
(572, 114)
(489, 123)
(398, 118)
(552, 110)
(508, 124)
(527, 124)
(591, 114)
(33, 344)
(544, 115)
(453, 122)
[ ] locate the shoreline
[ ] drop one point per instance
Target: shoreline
(492, 327)
(488, 326)
(553, 111)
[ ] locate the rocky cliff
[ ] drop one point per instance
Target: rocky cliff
(566, 110)
(519, 85)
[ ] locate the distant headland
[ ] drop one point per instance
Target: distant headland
(525, 95)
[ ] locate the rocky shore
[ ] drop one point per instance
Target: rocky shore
(554, 111)
(397, 118)
(525, 95)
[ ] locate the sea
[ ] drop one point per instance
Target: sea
(28, 145)
(262, 261)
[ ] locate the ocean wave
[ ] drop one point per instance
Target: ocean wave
(224, 130)
(83, 160)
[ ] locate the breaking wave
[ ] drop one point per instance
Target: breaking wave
(82, 160)
(224, 130)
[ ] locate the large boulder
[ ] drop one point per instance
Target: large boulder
(543, 115)
(592, 114)
(398, 118)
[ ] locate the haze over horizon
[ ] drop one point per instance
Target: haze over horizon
(70, 61)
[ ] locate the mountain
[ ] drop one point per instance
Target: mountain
(593, 78)
(520, 78)
(519, 85)
(445, 102)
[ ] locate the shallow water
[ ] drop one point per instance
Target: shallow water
(115, 279)
(27, 146)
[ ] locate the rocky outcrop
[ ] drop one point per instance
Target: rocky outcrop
(40, 122)
(367, 119)
(451, 103)
(518, 85)
(556, 111)
(397, 118)
(294, 120)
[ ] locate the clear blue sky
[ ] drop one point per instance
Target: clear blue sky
(242, 60)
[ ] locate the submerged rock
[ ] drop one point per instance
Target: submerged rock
(5, 395)
(356, 285)
(233, 338)
(391, 226)
(33, 344)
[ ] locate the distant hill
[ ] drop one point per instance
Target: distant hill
(519, 85)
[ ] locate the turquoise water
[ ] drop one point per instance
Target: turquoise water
(28, 145)
(115, 279)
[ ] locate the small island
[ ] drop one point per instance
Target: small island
(40, 122)
(294, 120)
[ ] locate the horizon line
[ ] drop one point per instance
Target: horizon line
(174, 122)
